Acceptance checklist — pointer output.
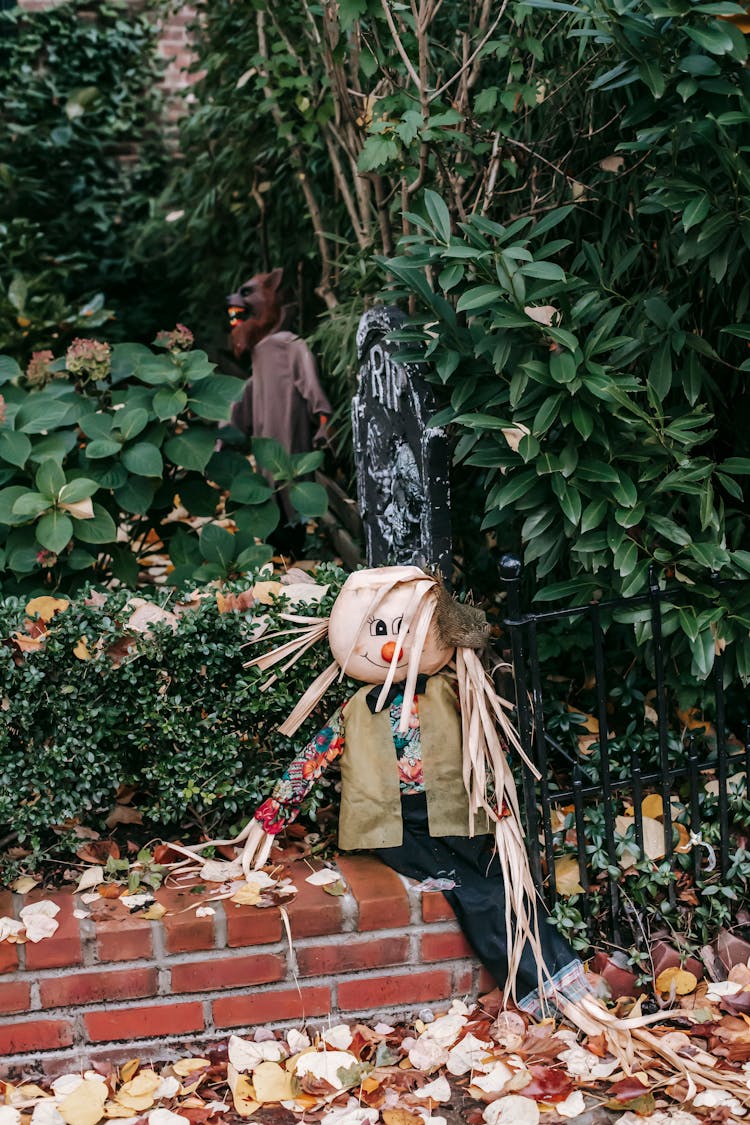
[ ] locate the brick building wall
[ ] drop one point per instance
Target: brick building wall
(125, 986)
(174, 48)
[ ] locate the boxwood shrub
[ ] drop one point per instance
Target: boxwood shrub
(89, 706)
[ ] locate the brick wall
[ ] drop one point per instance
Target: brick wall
(126, 986)
(174, 48)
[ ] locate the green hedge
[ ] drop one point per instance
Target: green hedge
(176, 716)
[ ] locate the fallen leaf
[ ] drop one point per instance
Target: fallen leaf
(325, 1065)
(512, 1110)
(401, 1117)
(128, 1069)
(272, 1083)
(98, 851)
(81, 650)
(45, 607)
(437, 1091)
(85, 1105)
(23, 884)
(336, 889)
(91, 877)
(612, 163)
(340, 1037)
(652, 806)
(166, 1117)
(39, 919)
(155, 912)
(573, 1105)
(325, 875)
(185, 1067)
(26, 643)
(567, 876)
(123, 814)
(548, 1084)
(679, 980)
(139, 1092)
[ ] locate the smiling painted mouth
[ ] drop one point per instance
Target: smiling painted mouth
(399, 664)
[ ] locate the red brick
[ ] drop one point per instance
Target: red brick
(248, 926)
(121, 936)
(267, 1007)
(463, 983)
(35, 1035)
(141, 1023)
(63, 949)
(90, 988)
(234, 972)
(382, 992)
(14, 996)
(381, 896)
(8, 952)
(486, 981)
(183, 932)
(445, 945)
(435, 907)
(312, 912)
(327, 960)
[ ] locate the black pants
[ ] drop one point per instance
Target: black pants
(478, 898)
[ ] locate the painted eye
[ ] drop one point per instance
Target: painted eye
(396, 625)
(378, 628)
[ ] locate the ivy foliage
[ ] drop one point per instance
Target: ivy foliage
(170, 712)
(108, 451)
(593, 344)
(81, 155)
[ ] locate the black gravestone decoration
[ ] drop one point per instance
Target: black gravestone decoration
(402, 465)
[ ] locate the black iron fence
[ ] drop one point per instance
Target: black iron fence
(581, 782)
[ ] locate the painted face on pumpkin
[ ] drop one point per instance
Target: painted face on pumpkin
(364, 638)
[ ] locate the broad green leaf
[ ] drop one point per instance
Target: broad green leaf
(100, 529)
(143, 459)
(191, 449)
(158, 371)
(377, 151)
(439, 215)
(14, 448)
(40, 412)
(695, 212)
(169, 403)
(481, 296)
(49, 478)
(97, 425)
(125, 360)
(250, 488)
(9, 369)
(31, 505)
(256, 522)
(54, 531)
(593, 514)
(253, 558)
(273, 458)
(81, 488)
(8, 497)
(544, 271)
(217, 545)
(136, 495)
(212, 398)
(130, 422)
(309, 499)
(303, 463)
(102, 447)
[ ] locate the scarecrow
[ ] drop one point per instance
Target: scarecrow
(425, 783)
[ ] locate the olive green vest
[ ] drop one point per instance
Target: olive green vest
(370, 792)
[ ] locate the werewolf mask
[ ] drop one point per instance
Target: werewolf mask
(255, 311)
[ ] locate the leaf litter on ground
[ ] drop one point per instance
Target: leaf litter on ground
(478, 1065)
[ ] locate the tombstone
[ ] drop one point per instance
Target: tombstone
(403, 481)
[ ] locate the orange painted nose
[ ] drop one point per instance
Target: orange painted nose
(388, 650)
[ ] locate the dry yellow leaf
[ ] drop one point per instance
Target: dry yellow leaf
(653, 839)
(29, 1090)
(46, 607)
(85, 1105)
(186, 1066)
(652, 806)
(81, 650)
(139, 1092)
(23, 884)
(27, 643)
(247, 895)
(265, 592)
(243, 1095)
(401, 1117)
(128, 1069)
(154, 912)
(369, 1084)
(681, 980)
(567, 876)
(114, 1109)
(272, 1083)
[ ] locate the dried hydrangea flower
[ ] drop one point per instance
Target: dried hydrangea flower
(180, 339)
(90, 359)
(37, 370)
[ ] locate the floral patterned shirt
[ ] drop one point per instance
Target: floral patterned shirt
(283, 806)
